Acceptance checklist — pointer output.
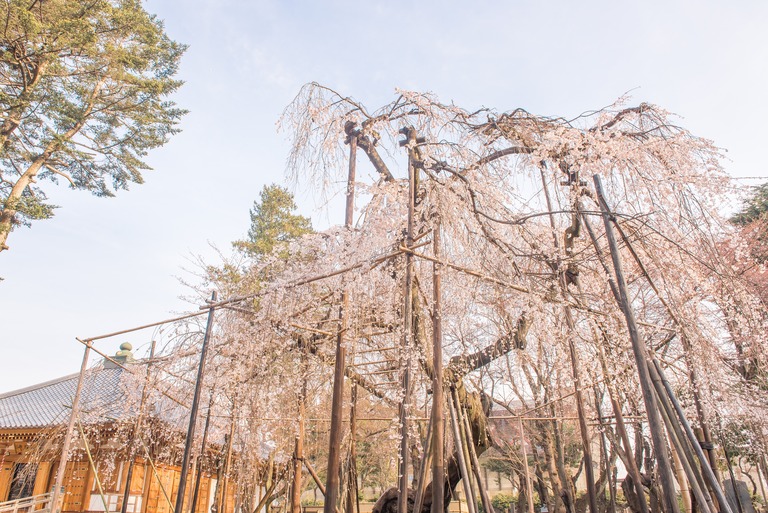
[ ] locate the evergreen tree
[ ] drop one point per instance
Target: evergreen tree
(83, 97)
(273, 222)
(754, 208)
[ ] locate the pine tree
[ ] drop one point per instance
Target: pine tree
(273, 222)
(84, 97)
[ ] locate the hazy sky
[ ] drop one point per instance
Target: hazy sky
(105, 264)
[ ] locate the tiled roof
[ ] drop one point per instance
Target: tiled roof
(49, 403)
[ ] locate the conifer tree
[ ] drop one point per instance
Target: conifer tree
(84, 92)
(273, 222)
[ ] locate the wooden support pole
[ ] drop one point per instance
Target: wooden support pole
(179, 508)
(312, 473)
(589, 470)
(438, 401)
(487, 504)
(465, 445)
(680, 449)
(632, 469)
(337, 401)
(223, 482)
(198, 474)
(639, 350)
(621, 427)
(426, 463)
(353, 502)
(761, 476)
(528, 483)
(402, 500)
(56, 497)
(136, 429)
(605, 455)
(298, 451)
(707, 470)
(462, 463)
(686, 353)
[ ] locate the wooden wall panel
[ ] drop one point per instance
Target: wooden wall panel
(229, 503)
(41, 479)
(6, 474)
(137, 481)
(203, 497)
(75, 485)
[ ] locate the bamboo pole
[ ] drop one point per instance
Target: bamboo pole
(438, 401)
(136, 428)
(68, 434)
(710, 451)
(156, 474)
(179, 508)
(337, 401)
(632, 469)
(682, 480)
(639, 350)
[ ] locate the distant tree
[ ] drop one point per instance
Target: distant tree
(752, 221)
(273, 222)
(83, 96)
(754, 207)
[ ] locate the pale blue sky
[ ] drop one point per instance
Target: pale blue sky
(106, 264)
